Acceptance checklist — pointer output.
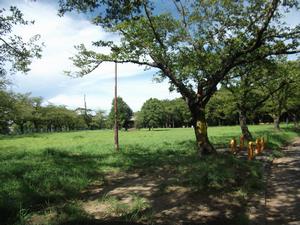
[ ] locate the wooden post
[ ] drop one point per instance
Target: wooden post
(242, 140)
(233, 145)
(250, 150)
(263, 144)
(116, 111)
(258, 146)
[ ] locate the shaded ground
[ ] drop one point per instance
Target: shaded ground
(154, 198)
(169, 204)
(173, 204)
(283, 190)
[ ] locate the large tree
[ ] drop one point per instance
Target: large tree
(195, 45)
(288, 73)
(251, 86)
(15, 54)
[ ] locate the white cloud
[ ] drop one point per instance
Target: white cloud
(60, 34)
(99, 96)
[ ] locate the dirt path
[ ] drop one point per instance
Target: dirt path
(283, 188)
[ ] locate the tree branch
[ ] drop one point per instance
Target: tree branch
(165, 69)
(282, 85)
(181, 11)
(19, 53)
(259, 36)
(157, 37)
(181, 87)
(232, 61)
(97, 63)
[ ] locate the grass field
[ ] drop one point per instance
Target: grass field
(43, 173)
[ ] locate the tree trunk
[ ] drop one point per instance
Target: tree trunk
(200, 127)
(295, 119)
(22, 128)
(243, 124)
(276, 122)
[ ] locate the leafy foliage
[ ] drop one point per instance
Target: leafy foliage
(21, 113)
(284, 100)
(221, 109)
(152, 113)
(13, 50)
(163, 113)
(124, 114)
(195, 44)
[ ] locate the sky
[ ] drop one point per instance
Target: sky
(60, 35)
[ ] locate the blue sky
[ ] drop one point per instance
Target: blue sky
(60, 34)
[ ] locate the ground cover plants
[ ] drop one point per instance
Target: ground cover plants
(58, 177)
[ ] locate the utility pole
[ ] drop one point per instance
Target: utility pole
(116, 111)
(85, 111)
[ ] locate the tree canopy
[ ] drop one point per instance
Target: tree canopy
(288, 78)
(124, 113)
(152, 113)
(14, 52)
(196, 44)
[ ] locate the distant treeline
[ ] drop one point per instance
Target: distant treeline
(22, 113)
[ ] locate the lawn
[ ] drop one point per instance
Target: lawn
(50, 178)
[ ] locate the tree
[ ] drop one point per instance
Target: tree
(59, 118)
(98, 121)
(182, 112)
(138, 120)
(152, 113)
(251, 85)
(37, 116)
(293, 103)
(280, 101)
(13, 50)
(124, 114)
(195, 45)
(6, 111)
(86, 115)
(22, 111)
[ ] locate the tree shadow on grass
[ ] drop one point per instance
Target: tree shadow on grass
(203, 179)
(33, 181)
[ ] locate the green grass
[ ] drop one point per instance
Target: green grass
(127, 211)
(41, 170)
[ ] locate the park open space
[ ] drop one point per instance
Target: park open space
(168, 112)
(156, 177)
